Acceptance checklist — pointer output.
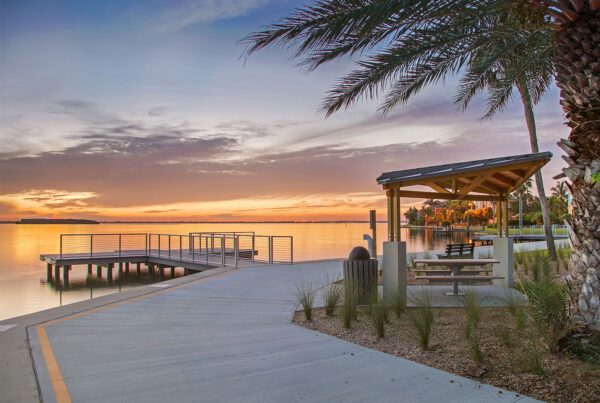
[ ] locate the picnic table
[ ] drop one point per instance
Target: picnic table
(455, 267)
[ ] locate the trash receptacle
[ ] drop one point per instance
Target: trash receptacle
(360, 274)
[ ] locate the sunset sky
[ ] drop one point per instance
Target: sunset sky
(145, 110)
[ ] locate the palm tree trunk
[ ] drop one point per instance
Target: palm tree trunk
(539, 184)
(576, 60)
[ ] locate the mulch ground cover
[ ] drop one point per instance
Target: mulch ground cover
(565, 378)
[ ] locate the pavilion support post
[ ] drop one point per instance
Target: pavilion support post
(99, 271)
(505, 216)
(90, 269)
(397, 216)
(503, 251)
(390, 211)
(499, 217)
(394, 271)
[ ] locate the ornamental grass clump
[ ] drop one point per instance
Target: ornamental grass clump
(421, 318)
(516, 307)
(395, 300)
(305, 292)
(378, 315)
(333, 297)
(349, 307)
(531, 358)
(472, 305)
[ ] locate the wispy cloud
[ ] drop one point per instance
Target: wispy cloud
(194, 11)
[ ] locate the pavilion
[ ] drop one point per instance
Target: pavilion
(481, 180)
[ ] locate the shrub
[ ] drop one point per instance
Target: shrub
(548, 306)
(305, 292)
(421, 318)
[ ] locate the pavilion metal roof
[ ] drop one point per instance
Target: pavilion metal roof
(489, 178)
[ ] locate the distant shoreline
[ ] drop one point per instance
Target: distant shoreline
(76, 221)
(55, 221)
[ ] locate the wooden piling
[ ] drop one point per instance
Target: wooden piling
(56, 272)
(89, 269)
(49, 272)
(172, 272)
(109, 272)
(66, 270)
(99, 271)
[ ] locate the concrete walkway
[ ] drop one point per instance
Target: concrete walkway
(227, 338)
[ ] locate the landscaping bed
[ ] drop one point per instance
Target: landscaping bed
(504, 349)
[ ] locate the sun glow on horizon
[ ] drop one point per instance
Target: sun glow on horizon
(319, 207)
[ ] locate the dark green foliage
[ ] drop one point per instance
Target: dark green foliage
(548, 304)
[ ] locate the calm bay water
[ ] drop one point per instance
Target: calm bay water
(23, 287)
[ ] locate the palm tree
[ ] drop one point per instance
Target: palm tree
(561, 192)
(502, 50)
(413, 43)
(515, 69)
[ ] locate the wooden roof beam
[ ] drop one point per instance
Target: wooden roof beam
(476, 182)
(500, 177)
(438, 188)
(527, 175)
(444, 196)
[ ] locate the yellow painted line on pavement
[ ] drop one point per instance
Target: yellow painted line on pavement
(56, 378)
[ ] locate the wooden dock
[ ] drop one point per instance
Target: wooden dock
(195, 252)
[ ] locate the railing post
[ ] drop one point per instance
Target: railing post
(212, 242)
(222, 251)
(206, 248)
(192, 241)
(270, 249)
(180, 248)
(291, 250)
(146, 245)
(236, 245)
(158, 245)
(169, 246)
(91, 245)
(61, 238)
(119, 245)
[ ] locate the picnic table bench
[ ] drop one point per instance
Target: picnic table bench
(458, 250)
(455, 275)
